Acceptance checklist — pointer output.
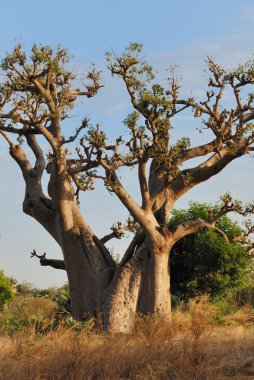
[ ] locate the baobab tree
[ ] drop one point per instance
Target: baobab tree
(36, 98)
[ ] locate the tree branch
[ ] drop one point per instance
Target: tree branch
(147, 222)
(117, 233)
(40, 160)
(192, 227)
(198, 151)
(56, 264)
(7, 138)
(143, 183)
(136, 241)
(206, 170)
(78, 130)
(231, 205)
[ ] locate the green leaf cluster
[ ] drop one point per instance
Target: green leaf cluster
(96, 137)
(243, 73)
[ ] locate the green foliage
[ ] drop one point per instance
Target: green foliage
(205, 263)
(139, 71)
(244, 73)
(40, 82)
(28, 312)
(39, 310)
(140, 77)
(60, 296)
(6, 293)
(63, 301)
(96, 137)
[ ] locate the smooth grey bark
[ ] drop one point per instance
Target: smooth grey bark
(120, 306)
(141, 286)
(142, 282)
(85, 259)
(155, 295)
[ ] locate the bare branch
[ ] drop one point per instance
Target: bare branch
(38, 152)
(212, 166)
(198, 151)
(117, 233)
(57, 264)
(143, 183)
(78, 130)
(136, 241)
(7, 138)
(135, 210)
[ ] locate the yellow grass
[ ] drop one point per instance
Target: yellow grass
(189, 347)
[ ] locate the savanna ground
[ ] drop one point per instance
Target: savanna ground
(203, 341)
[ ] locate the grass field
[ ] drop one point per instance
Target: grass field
(196, 344)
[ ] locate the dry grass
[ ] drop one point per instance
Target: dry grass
(190, 347)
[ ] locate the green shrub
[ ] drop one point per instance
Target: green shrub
(63, 301)
(36, 313)
(205, 263)
(6, 292)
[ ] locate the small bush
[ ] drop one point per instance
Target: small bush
(6, 293)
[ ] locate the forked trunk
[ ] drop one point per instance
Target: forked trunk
(141, 283)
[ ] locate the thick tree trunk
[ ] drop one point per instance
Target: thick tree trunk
(89, 268)
(155, 290)
(87, 262)
(120, 306)
(141, 286)
(82, 272)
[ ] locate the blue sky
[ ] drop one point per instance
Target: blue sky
(181, 33)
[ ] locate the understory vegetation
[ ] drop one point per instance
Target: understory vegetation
(204, 340)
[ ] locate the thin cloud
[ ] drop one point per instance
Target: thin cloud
(248, 12)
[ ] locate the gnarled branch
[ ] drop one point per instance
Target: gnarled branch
(56, 264)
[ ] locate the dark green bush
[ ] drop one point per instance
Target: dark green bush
(205, 263)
